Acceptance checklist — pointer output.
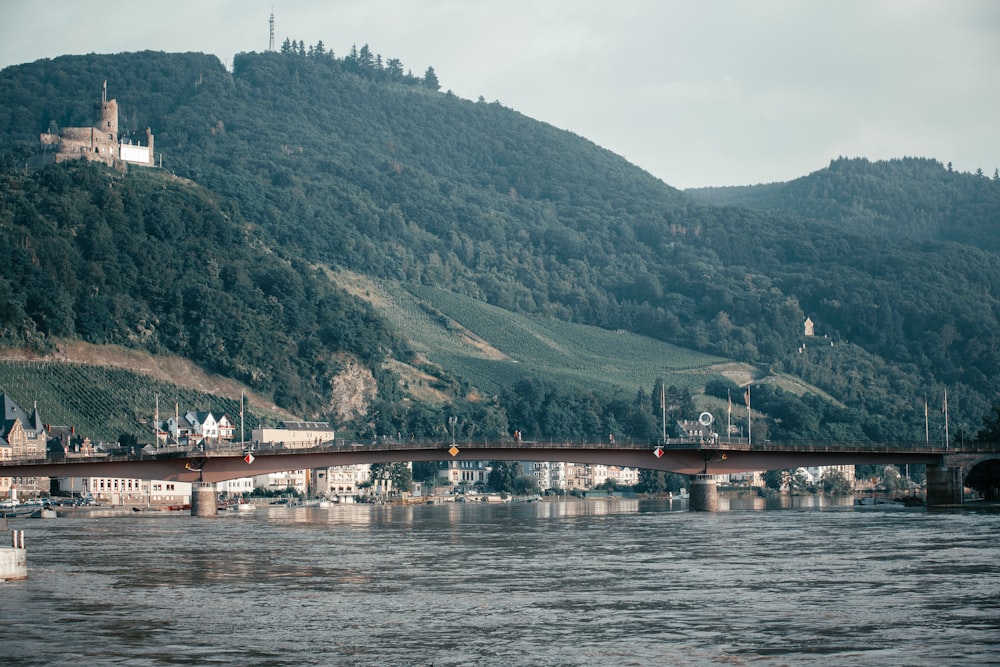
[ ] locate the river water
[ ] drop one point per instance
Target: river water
(596, 582)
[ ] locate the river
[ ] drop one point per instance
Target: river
(596, 582)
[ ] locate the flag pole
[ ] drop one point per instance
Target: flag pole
(927, 423)
(946, 435)
(663, 409)
(749, 419)
(729, 416)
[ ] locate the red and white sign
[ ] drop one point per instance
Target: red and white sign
(248, 458)
(658, 452)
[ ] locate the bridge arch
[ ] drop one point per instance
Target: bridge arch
(984, 477)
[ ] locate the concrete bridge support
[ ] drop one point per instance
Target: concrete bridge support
(704, 494)
(14, 561)
(944, 485)
(204, 499)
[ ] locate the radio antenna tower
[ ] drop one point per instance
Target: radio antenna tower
(270, 45)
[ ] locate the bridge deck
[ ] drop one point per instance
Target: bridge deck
(218, 462)
(229, 449)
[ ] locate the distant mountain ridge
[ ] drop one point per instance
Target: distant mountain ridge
(911, 198)
(342, 166)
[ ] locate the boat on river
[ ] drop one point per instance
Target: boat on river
(16, 511)
(870, 501)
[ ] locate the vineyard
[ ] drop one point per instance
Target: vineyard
(493, 348)
(105, 402)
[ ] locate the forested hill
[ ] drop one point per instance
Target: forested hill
(352, 163)
(907, 198)
(155, 263)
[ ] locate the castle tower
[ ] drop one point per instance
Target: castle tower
(149, 144)
(107, 115)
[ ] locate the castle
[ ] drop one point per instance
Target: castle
(101, 142)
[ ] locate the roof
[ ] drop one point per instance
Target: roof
(12, 411)
(306, 426)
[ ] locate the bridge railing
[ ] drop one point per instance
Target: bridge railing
(233, 448)
(729, 444)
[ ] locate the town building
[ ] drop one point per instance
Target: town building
(194, 428)
(621, 475)
(465, 475)
(22, 436)
(579, 476)
(294, 435)
(235, 487)
(695, 430)
(281, 482)
(118, 491)
(340, 483)
(549, 475)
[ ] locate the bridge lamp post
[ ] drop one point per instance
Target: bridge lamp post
(386, 485)
(452, 421)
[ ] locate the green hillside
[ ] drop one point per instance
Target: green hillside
(312, 162)
(493, 348)
(155, 263)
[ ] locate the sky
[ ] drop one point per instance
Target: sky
(696, 92)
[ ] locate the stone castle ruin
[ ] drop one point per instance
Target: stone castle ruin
(100, 143)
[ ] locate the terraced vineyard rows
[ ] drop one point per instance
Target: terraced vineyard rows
(493, 348)
(104, 402)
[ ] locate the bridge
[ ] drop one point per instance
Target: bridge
(948, 467)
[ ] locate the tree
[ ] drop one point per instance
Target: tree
(798, 482)
(425, 471)
(525, 485)
(891, 479)
(431, 80)
(775, 479)
(503, 475)
(610, 485)
(835, 483)
(394, 68)
(651, 481)
(656, 481)
(398, 473)
(990, 432)
(365, 58)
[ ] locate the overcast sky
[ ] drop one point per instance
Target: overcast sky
(697, 92)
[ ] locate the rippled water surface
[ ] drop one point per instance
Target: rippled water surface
(619, 582)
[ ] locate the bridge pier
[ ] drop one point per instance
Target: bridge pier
(704, 494)
(944, 485)
(204, 499)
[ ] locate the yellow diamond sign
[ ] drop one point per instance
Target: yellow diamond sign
(453, 450)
